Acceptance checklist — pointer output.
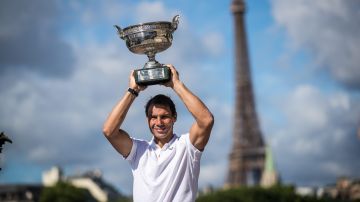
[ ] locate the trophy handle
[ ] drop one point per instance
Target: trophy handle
(175, 23)
(120, 32)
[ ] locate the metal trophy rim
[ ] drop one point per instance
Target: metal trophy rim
(146, 23)
(172, 26)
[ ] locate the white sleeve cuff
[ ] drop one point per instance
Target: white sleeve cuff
(195, 153)
(132, 153)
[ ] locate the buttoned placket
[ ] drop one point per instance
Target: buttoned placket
(159, 150)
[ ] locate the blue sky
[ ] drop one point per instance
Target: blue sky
(63, 68)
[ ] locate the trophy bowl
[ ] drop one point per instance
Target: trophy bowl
(150, 38)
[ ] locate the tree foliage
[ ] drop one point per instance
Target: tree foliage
(63, 192)
(257, 194)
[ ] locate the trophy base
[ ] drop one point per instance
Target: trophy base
(152, 75)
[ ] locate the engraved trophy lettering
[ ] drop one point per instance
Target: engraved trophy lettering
(150, 38)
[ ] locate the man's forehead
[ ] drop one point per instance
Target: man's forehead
(157, 107)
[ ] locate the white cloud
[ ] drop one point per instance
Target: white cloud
(319, 121)
(306, 107)
(340, 100)
(334, 168)
(152, 11)
(329, 30)
(213, 174)
(214, 42)
(320, 128)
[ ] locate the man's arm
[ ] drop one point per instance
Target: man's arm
(204, 120)
(119, 138)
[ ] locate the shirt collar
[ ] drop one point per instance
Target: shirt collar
(155, 146)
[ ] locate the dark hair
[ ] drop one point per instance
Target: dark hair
(161, 100)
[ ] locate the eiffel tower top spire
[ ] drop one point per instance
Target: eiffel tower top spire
(238, 6)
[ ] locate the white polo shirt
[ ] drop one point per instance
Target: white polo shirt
(165, 174)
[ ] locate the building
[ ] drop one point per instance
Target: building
(91, 181)
(344, 189)
(20, 193)
(269, 177)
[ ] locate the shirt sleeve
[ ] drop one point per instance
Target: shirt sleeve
(194, 152)
(132, 154)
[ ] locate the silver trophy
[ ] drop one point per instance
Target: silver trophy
(150, 38)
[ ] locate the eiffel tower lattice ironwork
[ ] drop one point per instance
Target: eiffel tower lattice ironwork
(247, 157)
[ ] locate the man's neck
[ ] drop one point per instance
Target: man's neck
(161, 143)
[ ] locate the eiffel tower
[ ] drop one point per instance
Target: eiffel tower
(247, 157)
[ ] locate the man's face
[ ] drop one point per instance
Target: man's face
(161, 122)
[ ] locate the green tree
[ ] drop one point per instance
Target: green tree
(63, 192)
(258, 194)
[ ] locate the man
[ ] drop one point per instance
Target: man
(166, 168)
